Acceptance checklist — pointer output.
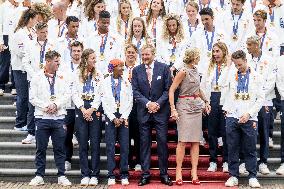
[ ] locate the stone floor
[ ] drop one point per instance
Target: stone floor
(23, 185)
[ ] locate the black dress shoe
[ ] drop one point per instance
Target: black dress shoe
(166, 180)
(143, 181)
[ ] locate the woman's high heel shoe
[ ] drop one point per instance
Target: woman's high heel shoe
(195, 182)
(179, 182)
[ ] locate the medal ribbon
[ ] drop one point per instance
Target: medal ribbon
(262, 40)
(185, 2)
(174, 44)
(271, 15)
(125, 28)
(51, 84)
(189, 27)
(116, 89)
(138, 48)
(72, 66)
(95, 25)
(243, 82)
(252, 5)
(218, 71)
(236, 26)
(88, 85)
(209, 43)
(42, 51)
(103, 43)
(258, 59)
(154, 29)
(61, 30)
(222, 2)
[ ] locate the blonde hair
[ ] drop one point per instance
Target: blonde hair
(190, 55)
(44, 10)
(166, 33)
(225, 52)
(118, 20)
(192, 4)
(153, 49)
(83, 66)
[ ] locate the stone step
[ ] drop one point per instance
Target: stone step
(7, 99)
(7, 110)
(16, 148)
(7, 122)
(25, 175)
(27, 162)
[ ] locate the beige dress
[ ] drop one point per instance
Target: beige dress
(189, 109)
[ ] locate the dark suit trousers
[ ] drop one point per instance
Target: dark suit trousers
(145, 146)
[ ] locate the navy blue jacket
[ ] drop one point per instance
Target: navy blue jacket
(158, 92)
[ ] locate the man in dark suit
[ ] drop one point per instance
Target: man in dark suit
(151, 82)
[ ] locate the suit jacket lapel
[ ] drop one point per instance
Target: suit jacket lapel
(154, 75)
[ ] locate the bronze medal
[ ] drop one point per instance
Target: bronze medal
(235, 37)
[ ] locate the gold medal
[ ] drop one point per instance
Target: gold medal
(217, 88)
(102, 57)
(237, 96)
(83, 96)
(117, 105)
(235, 37)
(52, 98)
(40, 66)
(173, 58)
(209, 54)
(272, 24)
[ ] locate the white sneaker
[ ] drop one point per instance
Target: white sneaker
(29, 140)
(85, 181)
(111, 182)
(67, 166)
(137, 167)
(93, 181)
(37, 181)
(202, 142)
(280, 170)
(63, 181)
(232, 181)
(24, 128)
(1, 92)
(253, 182)
(270, 142)
(242, 169)
(13, 92)
(263, 169)
(212, 167)
(124, 182)
(220, 141)
(225, 167)
(75, 141)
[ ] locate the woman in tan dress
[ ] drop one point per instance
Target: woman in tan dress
(188, 112)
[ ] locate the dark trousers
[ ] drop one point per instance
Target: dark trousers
(44, 129)
(69, 122)
(5, 62)
(264, 119)
(282, 131)
(281, 50)
(85, 131)
(123, 138)
(145, 130)
(216, 126)
(21, 83)
(239, 134)
(134, 151)
(31, 120)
